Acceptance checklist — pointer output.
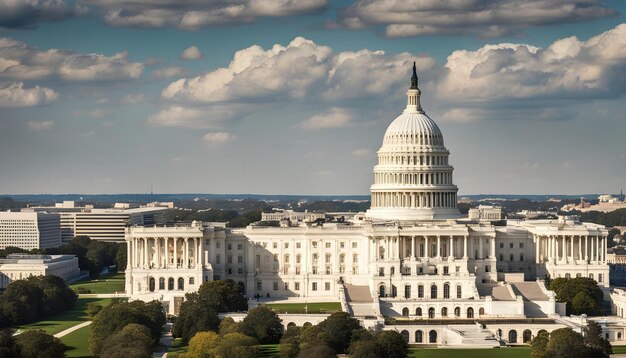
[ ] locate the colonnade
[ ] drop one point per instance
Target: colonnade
(570, 248)
(437, 246)
(165, 252)
(414, 199)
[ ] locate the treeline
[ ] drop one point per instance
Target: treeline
(613, 218)
(581, 295)
(198, 324)
(334, 206)
(93, 256)
(231, 217)
(565, 343)
(126, 329)
(7, 203)
(30, 344)
(34, 298)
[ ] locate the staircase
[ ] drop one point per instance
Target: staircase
(470, 336)
(360, 301)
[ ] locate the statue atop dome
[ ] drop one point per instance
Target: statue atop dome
(414, 78)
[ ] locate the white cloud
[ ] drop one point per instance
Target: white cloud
(361, 152)
(168, 72)
(14, 95)
(191, 53)
(134, 98)
(335, 118)
(486, 18)
(218, 137)
(40, 125)
(25, 14)
(192, 14)
(568, 68)
(19, 61)
(194, 117)
(254, 73)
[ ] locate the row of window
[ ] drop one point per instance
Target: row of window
(296, 286)
(413, 159)
(444, 312)
(434, 290)
(170, 284)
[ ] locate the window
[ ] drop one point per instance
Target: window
(510, 245)
(315, 258)
(342, 259)
(327, 245)
(287, 258)
(445, 270)
(521, 245)
(381, 271)
(419, 336)
(286, 286)
(239, 246)
(314, 243)
(433, 291)
(259, 285)
(405, 312)
(286, 245)
(298, 245)
(275, 286)
(240, 271)
(342, 245)
(327, 286)
(218, 259)
(457, 311)
(420, 291)
(418, 312)
(431, 312)
(239, 259)
(521, 257)
(446, 290)
(191, 281)
(298, 257)
(511, 257)
(275, 245)
(444, 312)
(355, 245)
(181, 283)
(328, 256)
(407, 291)
(229, 259)
(355, 258)
(501, 257)
(314, 286)
(470, 312)
(487, 268)
(458, 291)
(230, 246)
(296, 286)
(161, 283)
(218, 245)
(502, 245)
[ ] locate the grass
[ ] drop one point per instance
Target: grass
(513, 352)
(78, 341)
(69, 318)
(105, 284)
(319, 307)
(176, 348)
(619, 349)
(269, 350)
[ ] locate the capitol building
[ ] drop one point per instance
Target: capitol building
(411, 262)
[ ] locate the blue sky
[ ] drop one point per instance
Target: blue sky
(293, 97)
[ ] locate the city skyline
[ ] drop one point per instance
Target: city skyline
(113, 97)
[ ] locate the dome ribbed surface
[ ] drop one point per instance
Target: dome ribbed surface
(413, 129)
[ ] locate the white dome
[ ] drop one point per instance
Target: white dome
(413, 129)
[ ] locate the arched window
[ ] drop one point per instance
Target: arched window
(433, 291)
(315, 258)
(419, 336)
(459, 291)
(527, 336)
(407, 291)
(457, 312)
(420, 291)
(328, 258)
(181, 284)
(405, 335)
(512, 336)
(432, 336)
(444, 312)
(446, 290)
(394, 291)
(619, 336)
(152, 284)
(381, 291)
(170, 284)
(342, 259)
(431, 312)
(470, 312)
(481, 311)
(591, 276)
(405, 312)
(567, 275)
(286, 258)
(418, 312)
(381, 272)
(161, 283)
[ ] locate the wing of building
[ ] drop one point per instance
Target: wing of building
(410, 258)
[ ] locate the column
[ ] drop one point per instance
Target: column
(587, 248)
(175, 253)
(167, 251)
(492, 249)
(438, 247)
(465, 247)
(413, 247)
(537, 245)
(593, 249)
(481, 251)
(145, 252)
(604, 239)
(426, 254)
(580, 250)
(129, 254)
(186, 254)
(572, 248)
(450, 255)
(195, 252)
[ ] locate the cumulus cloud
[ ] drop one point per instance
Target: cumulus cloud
(194, 117)
(335, 118)
(568, 68)
(486, 18)
(218, 137)
(191, 53)
(168, 72)
(22, 62)
(193, 14)
(14, 95)
(40, 125)
(298, 69)
(25, 14)
(134, 98)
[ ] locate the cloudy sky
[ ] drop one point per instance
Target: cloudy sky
(293, 96)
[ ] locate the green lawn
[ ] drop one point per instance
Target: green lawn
(105, 284)
(269, 350)
(176, 348)
(319, 307)
(69, 318)
(619, 349)
(515, 352)
(78, 341)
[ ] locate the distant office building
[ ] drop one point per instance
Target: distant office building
(101, 224)
(19, 266)
(292, 216)
(485, 212)
(29, 230)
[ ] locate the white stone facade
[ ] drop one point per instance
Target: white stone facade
(29, 230)
(19, 266)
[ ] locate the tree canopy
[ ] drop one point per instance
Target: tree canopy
(581, 294)
(565, 343)
(263, 324)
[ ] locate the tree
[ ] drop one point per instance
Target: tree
(263, 324)
(338, 329)
(539, 345)
(201, 345)
(8, 348)
(228, 325)
(566, 290)
(36, 344)
(599, 346)
(194, 316)
(584, 303)
(392, 344)
(134, 340)
(21, 302)
(317, 351)
(364, 347)
(223, 296)
(565, 343)
(290, 342)
(121, 258)
(237, 345)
